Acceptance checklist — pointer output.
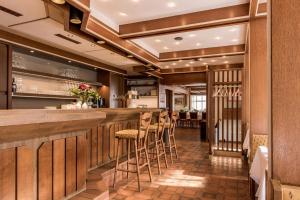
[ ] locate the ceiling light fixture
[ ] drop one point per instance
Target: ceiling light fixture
(226, 62)
(174, 64)
(179, 60)
(69, 61)
(158, 40)
(171, 4)
(166, 48)
(75, 16)
(177, 43)
(233, 30)
(192, 35)
(31, 51)
(200, 59)
(187, 65)
(213, 61)
(129, 56)
(122, 14)
(234, 40)
(224, 57)
(198, 44)
(192, 62)
(205, 63)
(218, 38)
(100, 41)
(59, 1)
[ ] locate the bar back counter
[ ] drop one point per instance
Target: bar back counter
(46, 154)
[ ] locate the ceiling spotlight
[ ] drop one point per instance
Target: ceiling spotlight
(177, 43)
(100, 41)
(122, 14)
(234, 40)
(166, 48)
(158, 40)
(198, 44)
(200, 59)
(226, 62)
(69, 61)
(179, 60)
(174, 64)
(192, 35)
(59, 1)
(187, 65)
(75, 16)
(218, 38)
(135, 0)
(167, 66)
(93, 45)
(224, 57)
(205, 63)
(31, 51)
(233, 30)
(129, 56)
(192, 62)
(213, 61)
(178, 38)
(171, 4)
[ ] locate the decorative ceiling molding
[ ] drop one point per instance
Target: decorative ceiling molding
(186, 22)
(201, 53)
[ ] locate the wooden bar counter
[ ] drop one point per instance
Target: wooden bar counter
(46, 154)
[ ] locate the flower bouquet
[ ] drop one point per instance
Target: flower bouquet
(85, 93)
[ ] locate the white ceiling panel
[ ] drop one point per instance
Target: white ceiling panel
(116, 12)
(199, 39)
(202, 62)
(30, 10)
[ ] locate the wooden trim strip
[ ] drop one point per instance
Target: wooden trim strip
(206, 52)
(9, 11)
(253, 8)
(262, 9)
(196, 20)
(12, 38)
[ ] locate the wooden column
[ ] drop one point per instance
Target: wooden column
(285, 79)
(5, 76)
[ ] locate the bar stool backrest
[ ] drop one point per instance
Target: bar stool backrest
(182, 115)
(144, 124)
(163, 116)
(173, 121)
(193, 115)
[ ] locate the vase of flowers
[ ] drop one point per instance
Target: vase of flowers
(85, 93)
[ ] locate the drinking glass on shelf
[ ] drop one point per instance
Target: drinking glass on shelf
(19, 82)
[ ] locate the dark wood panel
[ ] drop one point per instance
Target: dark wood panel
(181, 79)
(59, 169)
(45, 171)
(8, 174)
(94, 147)
(111, 141)
(25, 173)
(100, 144)
(106, 144)
(89, 147)
(70, 165)
(81, 161)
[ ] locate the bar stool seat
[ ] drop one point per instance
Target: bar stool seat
(129, 134)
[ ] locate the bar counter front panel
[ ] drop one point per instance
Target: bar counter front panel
(46, 154)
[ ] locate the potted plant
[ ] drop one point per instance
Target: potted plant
(85, 93)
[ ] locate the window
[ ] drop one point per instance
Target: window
(198, 102)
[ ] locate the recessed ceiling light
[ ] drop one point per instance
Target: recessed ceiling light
(31, 51)
(177, 43)
(93, 45)
(192, 62)
(200, 59)
(171, 4)
(59, 1)
(101, 42)
(179, 60)
(129, 56)
(218, 38)
(122, 14)
(224, 57)
(213, 61)
(234, 40)
(198, 44)
(136, 1)
(205, 63)
(69, 61)
(167, 66)
(226, 62)
(166, 48)
(233, 30)
(187, 65)
(174, 64)
(157, 40)
(192, 35)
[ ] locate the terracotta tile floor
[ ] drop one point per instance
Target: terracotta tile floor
(195, 175)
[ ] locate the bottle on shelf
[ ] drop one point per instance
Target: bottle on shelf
(14, 86)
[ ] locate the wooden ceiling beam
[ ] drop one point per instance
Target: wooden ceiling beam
(201, 53)
(186, 22)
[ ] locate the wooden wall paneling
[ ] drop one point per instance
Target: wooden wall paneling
(70, 165)
(59, 169)
(106, 144)
(4, 76)
(81, 162)
(25, 173)
(8, 174)
(284, 65)
(112, 141)
(89, 147)
(184, 78)
(100, 144)
(94, 147)
(45, 171)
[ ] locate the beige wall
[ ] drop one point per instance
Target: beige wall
(258, 77)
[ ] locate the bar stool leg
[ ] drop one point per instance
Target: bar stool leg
(175, 146)
(117, 164)
(128, 156)
(148, 161)
(164, 152)
(170, 147)
(137, 164)
(157, 156)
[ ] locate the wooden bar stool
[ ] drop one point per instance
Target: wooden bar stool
(139, 137)
(171, 136)
(158, 145)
